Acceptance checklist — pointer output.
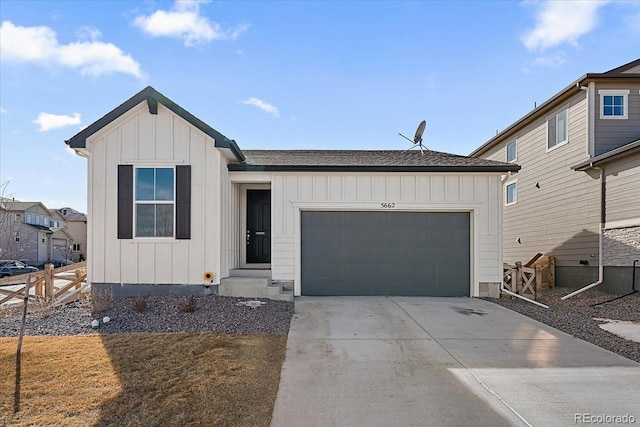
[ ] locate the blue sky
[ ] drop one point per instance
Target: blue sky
(290, 75)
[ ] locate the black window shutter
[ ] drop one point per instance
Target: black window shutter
(183, 202)
(125, 201)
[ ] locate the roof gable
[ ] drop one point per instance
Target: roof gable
(631, 67)
(626, 72)
(153, 97)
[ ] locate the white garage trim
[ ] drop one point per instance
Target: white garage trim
(299, 206)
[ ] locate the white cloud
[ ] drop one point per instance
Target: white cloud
(185, 22)
(559, 22)
(48, 121)
(2, 110)
(264, 106)
(632, 22)
(88, 33)
(39, 45)
(551, 61)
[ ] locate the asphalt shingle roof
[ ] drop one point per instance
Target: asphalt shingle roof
(374, 160)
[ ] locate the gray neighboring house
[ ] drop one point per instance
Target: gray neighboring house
(31, 233)
(77, 228)
(577, 196)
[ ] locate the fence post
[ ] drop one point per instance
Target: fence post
(48, 281)
(538, 281)
(551, 272)
(518, 284)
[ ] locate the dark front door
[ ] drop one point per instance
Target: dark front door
(258, 226)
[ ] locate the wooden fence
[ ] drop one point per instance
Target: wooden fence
(52, 285)
(529, 279)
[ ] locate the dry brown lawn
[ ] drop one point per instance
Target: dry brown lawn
(143, 380)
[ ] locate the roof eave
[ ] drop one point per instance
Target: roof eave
(627, 149)
(243, 167)
(533, 115)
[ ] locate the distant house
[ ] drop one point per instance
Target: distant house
(32, 233)
(174, 206)
(577, 196)
(77, 229)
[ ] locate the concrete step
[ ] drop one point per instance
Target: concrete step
(284, 296)
(250, 272)
(252, 287)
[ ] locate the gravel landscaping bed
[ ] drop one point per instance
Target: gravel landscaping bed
(162, 314)
(575, 316)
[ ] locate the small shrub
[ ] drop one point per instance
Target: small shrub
(189, 305)
(101, 300)
(141, 304)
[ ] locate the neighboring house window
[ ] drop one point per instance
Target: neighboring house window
(557, 130)
(18, 217)
(613, 104)
(28, 218)
(512, 193)
(154, 202)
(45, 221)
(64, 212)
(37, 219)
(75, 247)
(512, 151)
(17, 237)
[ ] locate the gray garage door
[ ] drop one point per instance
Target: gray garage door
(385, 253)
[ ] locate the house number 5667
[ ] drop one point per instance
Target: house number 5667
(387, 205)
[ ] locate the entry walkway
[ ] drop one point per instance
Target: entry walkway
(385, 361)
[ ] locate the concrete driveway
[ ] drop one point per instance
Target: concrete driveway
(405, 361)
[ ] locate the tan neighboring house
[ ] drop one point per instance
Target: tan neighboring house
(32, 233)
(77, 228)
(577, 196)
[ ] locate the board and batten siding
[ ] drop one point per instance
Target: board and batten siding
(562, 216)
(230, 233)
(614, 133)
(163, 140)
(622, 192)
(476, 193)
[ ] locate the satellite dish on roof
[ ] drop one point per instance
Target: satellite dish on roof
(417, 139)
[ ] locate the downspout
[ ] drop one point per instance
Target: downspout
(502, 287)
(601, 231)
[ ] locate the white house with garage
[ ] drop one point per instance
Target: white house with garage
(175, 207)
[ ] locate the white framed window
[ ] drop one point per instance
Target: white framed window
(511, 193)
(557, 130)
(18, 217)
(38, 219)
(45, 221)
(154, 196)
(75, 247)
(614, 104)
(512, 151)
(28, 218)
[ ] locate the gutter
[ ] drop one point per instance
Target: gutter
(513, 294)
(600, 249)
(244, 167)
